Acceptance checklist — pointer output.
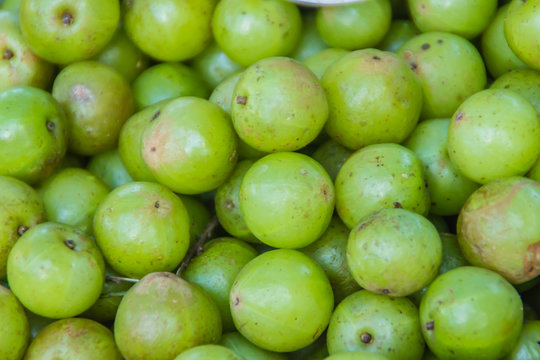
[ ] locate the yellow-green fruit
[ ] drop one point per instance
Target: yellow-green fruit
(15, 331)
(521, 26)
(203, 352)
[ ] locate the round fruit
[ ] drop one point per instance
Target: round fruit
(354, 26)
(331, 156)
(381, 246)
(108, 167)
(75, 338)
(141, 228)
(277, 311)
(356, 356)
(310, 41)
(97, 100)
(318, 63)
(493, 134)
(56, 271)
(535, 171)
(63, 31)
(241, 346)
(287, 200)
(34, 133)
(274, 29)
(203, 352)
(498, 228)
(388, 114)
(449, 68)
(190, 317)
(521, 25)
(15, 331)
(278, 105)
(214, 65)
(190, 145)
(471, 313)
(399, 33)
(380, 176)
(373, 323)
(169, 30)
(528, 346)
(525, 82)
(199, 216)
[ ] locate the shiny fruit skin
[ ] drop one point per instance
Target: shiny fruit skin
(521, 26)
(247, 350)
(318, 63)
(15, 331)
(214, 66)
(527, 346)
(108, 167)
(525, 82)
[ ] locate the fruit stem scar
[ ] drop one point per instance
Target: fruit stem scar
(366, 338)
(242, 100)
(22, 229)
(8, 54)
(397, 205)
(50, 125)
(430, 325)
(67, 18)
(156, 115)
(236, 301)
(156, 204)
(70, 244)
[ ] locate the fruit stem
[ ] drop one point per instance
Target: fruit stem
(118, 279)
(198, 246)
(113, 294)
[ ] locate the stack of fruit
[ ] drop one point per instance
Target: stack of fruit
(249, 179)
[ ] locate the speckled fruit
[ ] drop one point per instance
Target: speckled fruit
(471, 313)
(277, 311)
(20, 209)
(227, 204)
(287, 200)
(448, 188)
(203, 352)
(528, 346)
(377, 324)
(498, 228)
(63, 31)
(190, 146)
(76, 338)
(521, 26)
(278, 105)
(34, 133)
(141, 228)
(332, 156)
(191, 318)
(399, 33)
(498, 56)
(318, 63)
(97, 101)
(169, 30)
(56, 271)
(449, 68)
(329, 251)
(166, 81)
(525, 82)
(388, 114)
(462, 17)
(494, 133)
(247, 350)
(380, 176)
(381, 246)
(354, 26)
(199, 216)
(214, 65)
(274, 29)
(310, 40)
(108, 167)
(15, 331)
(18, 64)
(215, 270)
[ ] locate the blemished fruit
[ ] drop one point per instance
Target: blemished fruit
(15, 331)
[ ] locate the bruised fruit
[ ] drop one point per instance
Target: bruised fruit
(214, 352)
(247, 350)
(281, 300)
(190, 317)
(15, 331)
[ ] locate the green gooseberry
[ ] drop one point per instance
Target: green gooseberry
(199, 216)
(318, 63)
(356, 356)
(108, 167)
(310, 41)
(534, 173)
(203, 352)
(331, 155)
(525, 82)
(399, 33)
(527, 346)
(439, 223)
(37, 323)
(247, 350)
(15, 331)
(214, 65)
(521, 26)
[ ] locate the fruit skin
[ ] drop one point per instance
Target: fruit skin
(199, 216)
(227, 204)
(169, 30)
(498, 56)
(278, 105)
(63, 31)
(108, 167)
(449, 68)
(34, 130)
(214, 66)
(329, 251)
(471, 313)
(521, 23)
(527, 345)
(199, 134)
(535, 171)
(399, 33)
(19, 65)
(53, 276)
(356, 356)
(318, 63)
(15, 331)
(287, 200)
(191, 318)
(494, 133)
(74, 338)
(215, 270)
(246, 350)
(388, 114)
(448, 188)
(277, 311)
(381, 246)
(97, 101)
(158, 223)
(392, 324)
(310, 41)
(332, 156)
(462, 17)
(166, 81)
(380, 176)
(72, 196)
(274, 29)
(354, 26)
(498, 228)
(203, 352)
(20, 209)
(525, 82)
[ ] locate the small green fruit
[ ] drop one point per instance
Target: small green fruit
(318, 63)
(527, 346)
(214, 66)
(203, 352)
(108, 167)
(247, 350)
(521, 25)
(15, 331)
(399, 33)
(525, 82)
